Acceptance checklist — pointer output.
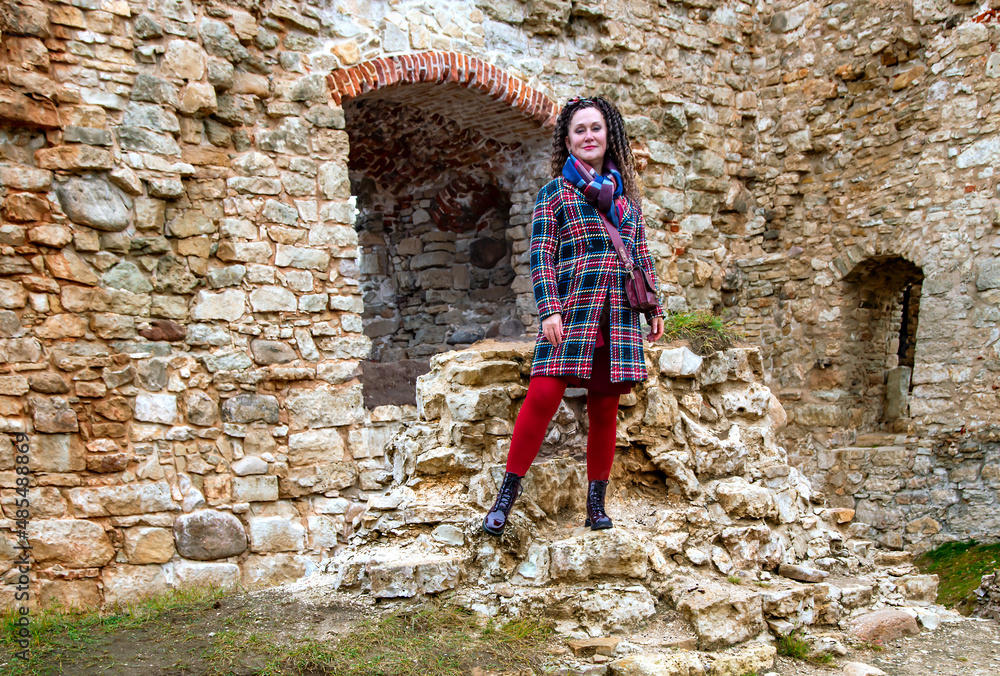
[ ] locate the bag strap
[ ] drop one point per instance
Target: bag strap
(616, 240)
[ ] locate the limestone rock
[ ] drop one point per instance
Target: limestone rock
(721, 616)
(56, 236)
(192, 575)
(154, 90)
(136, 498)
(609, 552)
(156, 408)
(72, 543)
(123, 177)
(272, 352)
(615, 607)
(148, 545)
(19, 177)
(750, 658)
(259, 488)
(275, 534)
(656, 664)
(249, 465)
(95, 202)
(198, 98)
(77, 158)
(184, 59)
(208, 534)
(228, 305)
(310, 88)
(679, 362)
(989, 275)
(478, 404)
(744, 500)
(12, 295)
(71, 595)
(244, 408)
(273, 569)
(802, 573)
(127, 276)
(315, 446)
(326, 406)
(56, 453)
(408, 576)
(220, 41)
(52, 415)
(273, 299)
(257, 442)
(124, 584)
(227, 361)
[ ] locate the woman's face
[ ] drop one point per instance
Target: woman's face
(588, 137)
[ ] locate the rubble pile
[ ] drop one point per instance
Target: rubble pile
(711, 523)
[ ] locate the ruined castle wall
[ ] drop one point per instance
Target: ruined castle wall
(181, 264)
(875, 174)
(184, 273)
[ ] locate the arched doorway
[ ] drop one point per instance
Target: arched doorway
(882, 307)
(446, 155)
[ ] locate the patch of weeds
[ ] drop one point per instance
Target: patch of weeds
(706, 332)
(960, 567)
(762, 583)
(793, 646)
(436, 639)
(734, 579)
(183, 631)
(59, 636)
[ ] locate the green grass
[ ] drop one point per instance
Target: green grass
(57, 635)
(798, 648)
(793, 646)
(433, 639)
(734, 579)
(960, 567)
(209, 633)
(706, 332)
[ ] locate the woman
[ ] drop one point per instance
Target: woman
(590, 335)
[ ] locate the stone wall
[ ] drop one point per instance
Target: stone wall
(184, 278)
(183, 313)
(874, 179)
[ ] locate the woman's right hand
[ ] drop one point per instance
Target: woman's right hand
(552, 329)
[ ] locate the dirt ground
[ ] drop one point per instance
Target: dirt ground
(966, 648)
(193, 642)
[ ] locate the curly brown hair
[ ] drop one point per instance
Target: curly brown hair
(618, 146)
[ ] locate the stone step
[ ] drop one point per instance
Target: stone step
(893, 558)
(749, 658)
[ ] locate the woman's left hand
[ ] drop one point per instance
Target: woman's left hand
(655, 330)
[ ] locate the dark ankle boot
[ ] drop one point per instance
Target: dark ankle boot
(597, 519)
(496, 519)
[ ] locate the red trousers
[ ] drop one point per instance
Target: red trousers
(540, 404)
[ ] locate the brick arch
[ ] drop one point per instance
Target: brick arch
(443, 68)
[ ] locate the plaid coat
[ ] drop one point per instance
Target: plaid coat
(574, 267)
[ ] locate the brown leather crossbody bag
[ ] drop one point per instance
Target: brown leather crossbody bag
(639, 288)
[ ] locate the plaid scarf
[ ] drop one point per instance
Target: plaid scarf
(599, 191)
